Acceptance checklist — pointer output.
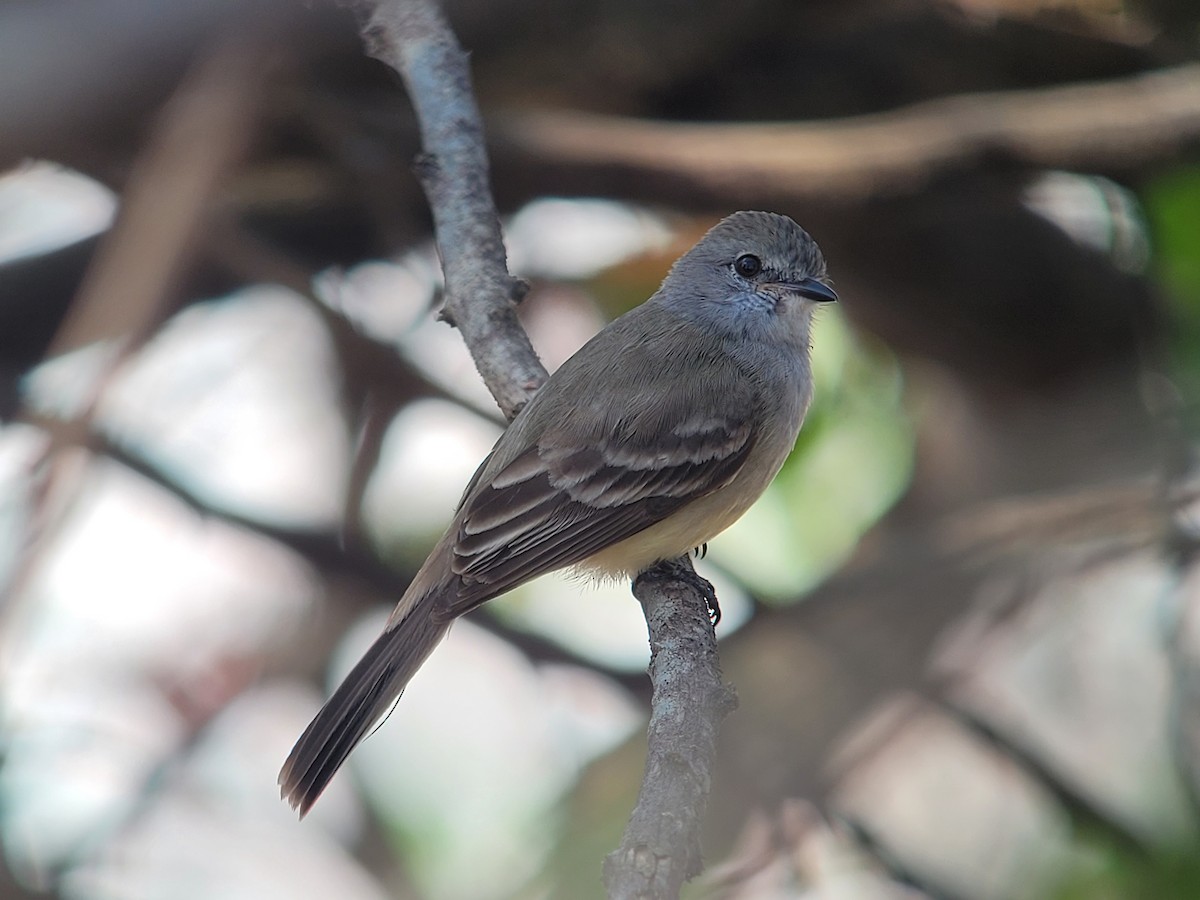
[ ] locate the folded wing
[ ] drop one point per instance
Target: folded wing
(557, 504)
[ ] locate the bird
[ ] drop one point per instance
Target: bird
(654, 437)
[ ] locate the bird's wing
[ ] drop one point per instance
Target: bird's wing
(557, 503)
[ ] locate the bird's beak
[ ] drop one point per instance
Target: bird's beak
(814, 290)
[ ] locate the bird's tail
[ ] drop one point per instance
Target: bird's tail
(365, 695)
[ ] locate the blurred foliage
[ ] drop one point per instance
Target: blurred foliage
(1172, 203)
(1112, 871)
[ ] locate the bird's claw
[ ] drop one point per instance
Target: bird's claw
(681, 570)
(710, 599)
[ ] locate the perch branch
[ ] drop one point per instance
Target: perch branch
(481, 296)
(660, 849)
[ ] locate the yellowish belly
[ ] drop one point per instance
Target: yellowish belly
(673, 536)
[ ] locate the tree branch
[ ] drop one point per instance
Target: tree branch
(661, 848)
(481, 296)
(1109, 126)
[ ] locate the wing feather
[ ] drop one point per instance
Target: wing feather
(555, 505)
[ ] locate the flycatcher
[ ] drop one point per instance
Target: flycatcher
(653, 438)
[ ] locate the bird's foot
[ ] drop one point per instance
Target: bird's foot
(681, 570)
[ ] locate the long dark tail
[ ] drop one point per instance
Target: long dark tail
(367, 693)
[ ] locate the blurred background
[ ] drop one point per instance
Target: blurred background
(963, 625)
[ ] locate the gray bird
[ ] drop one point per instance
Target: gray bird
(653, 438)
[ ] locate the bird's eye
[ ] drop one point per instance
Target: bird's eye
(748, 265)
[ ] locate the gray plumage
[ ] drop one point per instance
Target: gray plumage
(654, 437)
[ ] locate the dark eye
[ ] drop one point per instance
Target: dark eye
(748, 265)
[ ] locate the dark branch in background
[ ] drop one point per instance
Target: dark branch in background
(871, 844)
(1085, 812)
(661, 845)
(334, 559)
(376, 379)
(481, 296)
(1113, 126)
